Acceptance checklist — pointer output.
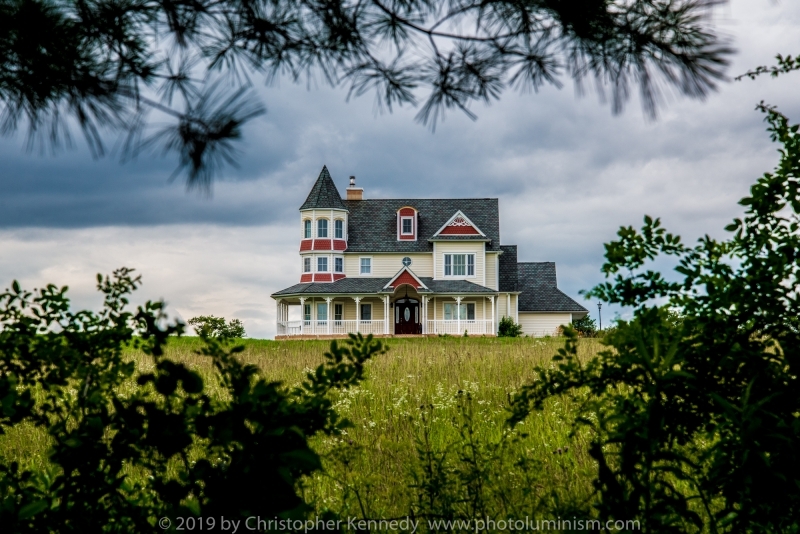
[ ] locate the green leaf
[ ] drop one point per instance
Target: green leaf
(31, 509)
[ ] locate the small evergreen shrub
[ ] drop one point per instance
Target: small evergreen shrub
(508, 328)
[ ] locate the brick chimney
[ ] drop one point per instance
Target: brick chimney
(353, 192)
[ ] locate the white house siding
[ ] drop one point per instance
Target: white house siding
(542, 324)
(491, 270)
(468, 247)
(503, 308)
(387, 265)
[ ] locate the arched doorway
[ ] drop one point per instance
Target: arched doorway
(406, 316)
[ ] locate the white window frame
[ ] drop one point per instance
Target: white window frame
(371, 265)
(307, 264)
(338, 229)
(463, 311)
(320, 260)
(308, 229)
(402, 220)
(466, 264)
(319, 229)
(337, 262)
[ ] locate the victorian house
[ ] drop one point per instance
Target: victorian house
(413, 267)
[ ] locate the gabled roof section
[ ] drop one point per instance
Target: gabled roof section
(539, 292)
(459, 224)
(372, 225)
(405, 276)
(324, 193)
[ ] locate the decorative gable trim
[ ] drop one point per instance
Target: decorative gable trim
(459, 224)
(405, 276)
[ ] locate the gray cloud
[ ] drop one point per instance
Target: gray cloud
(567, 173)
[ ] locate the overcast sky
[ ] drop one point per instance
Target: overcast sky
(567, 172)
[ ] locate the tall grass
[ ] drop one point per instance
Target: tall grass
(431, 412)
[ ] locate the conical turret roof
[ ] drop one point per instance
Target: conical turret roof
(324, 193)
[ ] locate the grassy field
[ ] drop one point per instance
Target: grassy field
(428, 431)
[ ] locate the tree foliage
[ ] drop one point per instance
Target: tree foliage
(697, 421)
(585, 326)
(108, 63)
(211, 326)
(122, 457)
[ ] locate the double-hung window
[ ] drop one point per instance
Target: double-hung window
(338, 229)
(366, 312)
(322, 265)
(322, 228)
(406, 226)
(306, 229)
(465, 312)
(338, 311)
(365, 265)
(306, 265)
(338, 265)
(459, 264)
(307, 312)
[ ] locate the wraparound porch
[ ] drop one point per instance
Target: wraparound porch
(340, 315)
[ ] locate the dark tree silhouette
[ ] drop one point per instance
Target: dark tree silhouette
(107, 63)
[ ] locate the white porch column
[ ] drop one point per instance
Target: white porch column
(358, 314)
(458, 315)
(328, 318)
(386, 313)
(278, 316)
(302, 314)
(422, 314)
(508, 305)
(494, 330)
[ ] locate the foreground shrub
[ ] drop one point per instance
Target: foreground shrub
(120, 460)
(696, 413)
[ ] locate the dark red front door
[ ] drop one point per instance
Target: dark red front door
(406, 316)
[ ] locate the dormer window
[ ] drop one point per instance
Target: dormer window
(306, 229)
(407, 224)
(338, 229)
(322, 228)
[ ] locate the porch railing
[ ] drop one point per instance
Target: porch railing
(296, 328)
(457, 328)
(450, 327)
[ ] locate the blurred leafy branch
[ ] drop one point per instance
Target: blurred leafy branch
(109, 63)
(121, 457)
(695, 404)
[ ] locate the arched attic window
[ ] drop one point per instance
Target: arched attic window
(407, 224)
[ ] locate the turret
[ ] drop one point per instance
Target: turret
(323, 227)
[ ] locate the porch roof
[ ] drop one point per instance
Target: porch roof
(376, 285)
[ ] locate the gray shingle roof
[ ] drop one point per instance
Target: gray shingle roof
(324, 193)
(372, 224)
(508, 268)
(539, 292)
(375, 285)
